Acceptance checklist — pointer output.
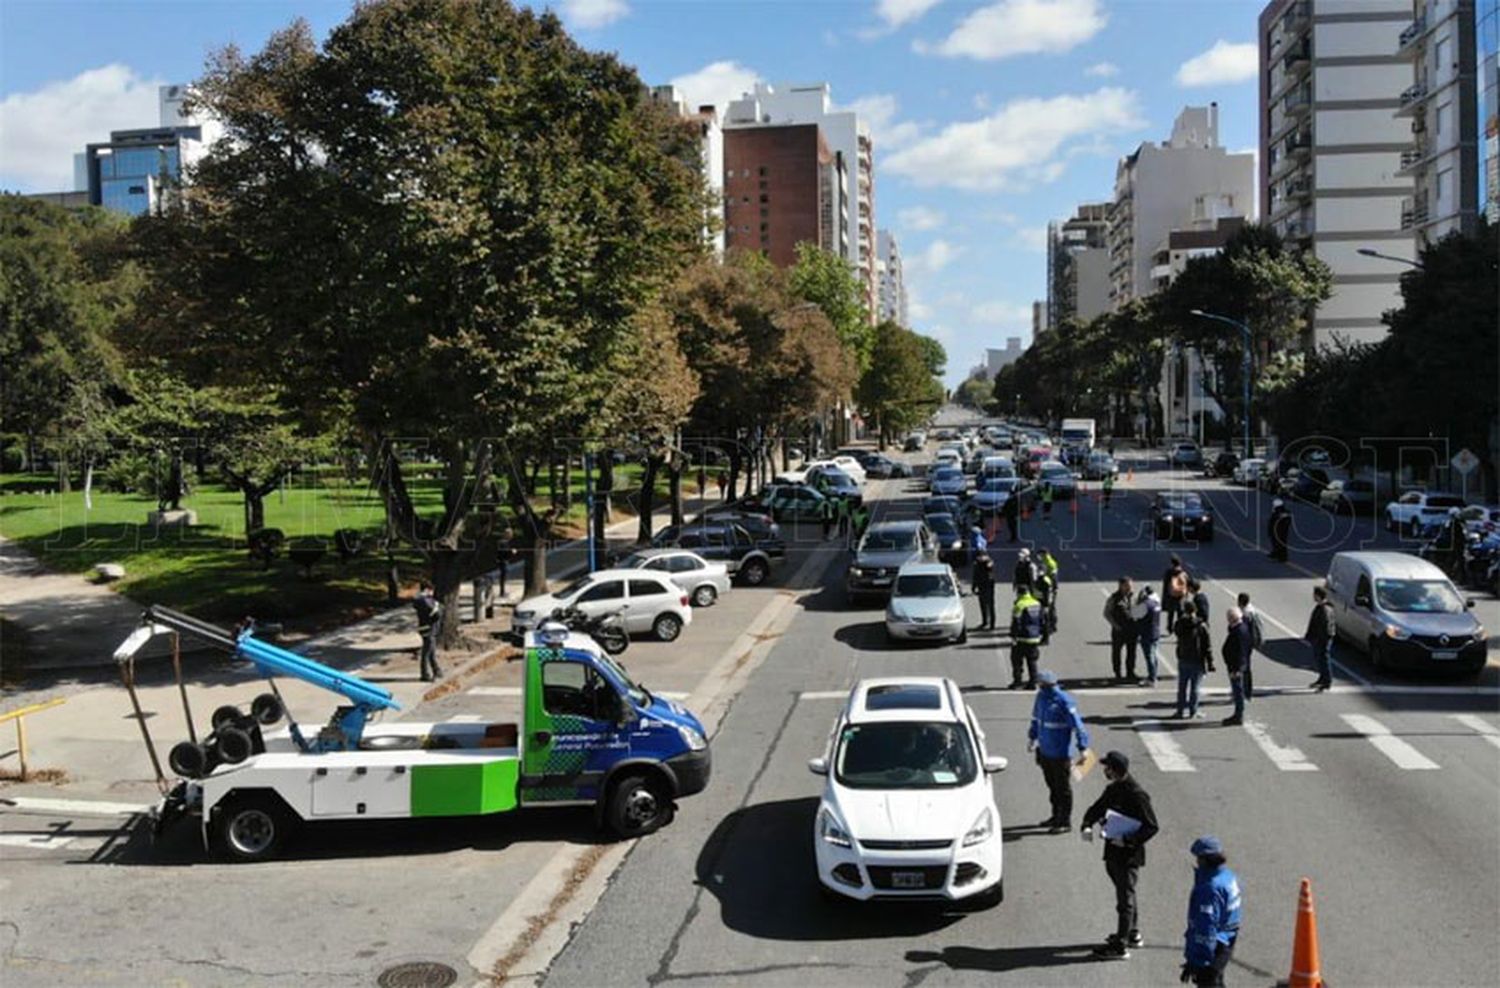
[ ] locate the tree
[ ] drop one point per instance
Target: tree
(828, 281)
(976, 392)
(255, 443)
(934, 356)
(898, 389)
(443, 220)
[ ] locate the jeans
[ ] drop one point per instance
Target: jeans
(1117, 640)
(1237, 690)
(986, 594)
(1323, 656)
(1148, 652)
(1058, 774)
(1123, 874)
(1189, 674)
(428, 657)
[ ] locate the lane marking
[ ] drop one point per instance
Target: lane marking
(1341, 667)
(1392, 747)
(1286, 758)
(82, 807)
(1482, 727)
(45, 842)
(1162, 747)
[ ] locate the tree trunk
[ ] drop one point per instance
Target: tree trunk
(552, 492)
(88, 483)
(255, 510)
(647, 499)
(674, 487)
(602, 496)
(531, 531)
(447, 582)
(64, 482)
(735, 456)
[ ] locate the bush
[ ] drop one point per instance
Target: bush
(130, 473)
(265, 543)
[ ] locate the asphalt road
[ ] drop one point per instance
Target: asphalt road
(1399, 839)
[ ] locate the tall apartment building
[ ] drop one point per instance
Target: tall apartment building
(1442, 158)
(712, 136)
(997, 359)
(847, 135)
(1331, 84)
(1164, 187)
(784, 186)
(135, 170)
(1078, 265)
(1487, 60)
(891, 278)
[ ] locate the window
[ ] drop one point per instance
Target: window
(572, 689)
(1440, 56)
(1442, 115)
(684, 564)
(1362, 589)
(763, 171)
(612, 590)
(764, 197)
(647, 588)
(1444, 183)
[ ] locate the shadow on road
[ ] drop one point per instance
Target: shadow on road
(1000, 959)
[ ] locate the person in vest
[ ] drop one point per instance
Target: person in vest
(1214, 911)
(1047, 495)
(1024, 577)
(1123, 856)
(1025, 639)
(1054, 725)
(1047, 567)
(1109, 487)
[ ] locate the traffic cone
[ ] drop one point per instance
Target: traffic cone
(1073, 505)
(1305, 969)
(1025, 514)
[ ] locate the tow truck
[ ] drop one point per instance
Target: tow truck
(589, 736)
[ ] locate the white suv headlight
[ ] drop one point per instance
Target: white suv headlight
(829, 830)
(983, 829)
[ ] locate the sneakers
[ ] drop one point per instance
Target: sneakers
(1113, 949)
(1135, 939)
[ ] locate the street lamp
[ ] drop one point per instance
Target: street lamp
(1245, 332)
(1370, 252)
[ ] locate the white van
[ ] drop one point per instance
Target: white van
(1405, 613)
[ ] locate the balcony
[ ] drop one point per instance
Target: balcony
(1299, 188)
(1298, 59)
(1295, 18)
(1410, 41)
(1413, 212)
(1298, 103)
(1161, 272)
(1300, 229)
(1411, 99)
(1299, 145)
(1414, 157)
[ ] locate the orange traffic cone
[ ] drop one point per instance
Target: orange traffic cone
(1025, 514)
(1073, 505)
(1305, 970)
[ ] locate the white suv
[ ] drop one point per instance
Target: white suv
(908, 811)
(1413, 510)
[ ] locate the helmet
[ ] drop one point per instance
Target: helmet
(1278, 503)
(1452, 512)
(1207, 844)
(1024, 554)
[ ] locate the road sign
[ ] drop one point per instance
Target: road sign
(1464, 461)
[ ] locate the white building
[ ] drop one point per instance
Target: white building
(1159, 188)
(1078, 265)
(712, 133)
(847, 135)
(892, 280)
(137, 169)
(996, 358)
(1331, 145)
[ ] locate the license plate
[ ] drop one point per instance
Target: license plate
(881, 581)
(908, 880)
(1445, 655)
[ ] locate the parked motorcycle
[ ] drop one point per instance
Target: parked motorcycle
(606, 629)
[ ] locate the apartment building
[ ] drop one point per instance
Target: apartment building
(1331, 143)
(891, 279)
(1078, 265)
(783, 185)
(711, 133)
(1487, 60)
(1187, 179)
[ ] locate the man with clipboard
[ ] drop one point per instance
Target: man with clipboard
(1124, 810)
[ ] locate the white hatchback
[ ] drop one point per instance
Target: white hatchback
(908, 811)
(645, 600)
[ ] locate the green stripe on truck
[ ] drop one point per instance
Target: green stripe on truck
(464, 790)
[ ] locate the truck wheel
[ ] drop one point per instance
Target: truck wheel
(705, 596)
(188, 760)
(637, 806)
(754, 572)
(667, 627)
(225, 716)
(251, 827)
(234, 744)
(267, 709)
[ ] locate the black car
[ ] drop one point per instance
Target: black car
(1223, 465)
(877, 465)
(953, 546)
(1180, 515)
(765, 532)
(944, 504)
(725, 542)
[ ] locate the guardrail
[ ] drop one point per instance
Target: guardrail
(19, 716)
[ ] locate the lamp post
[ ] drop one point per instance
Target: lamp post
(1370, 252)
(1245, 372)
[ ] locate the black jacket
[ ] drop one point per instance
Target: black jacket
(1125, 796)
(1233, 649)
(1193, 642)
(1320, 624)
(984, 572)
(1025, 575)
(1281, 526)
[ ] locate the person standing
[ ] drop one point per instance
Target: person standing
(1123, 856)
(1025, 638)
(861, 520)
(1255, 640)
(841, 508)
(723, 483)
(1047, 494)
(1193, 643)
(1054, 724)
(1320, 635)
(825, 516)
(1122, 628)
(429, 612)
(1148, 626)
(1010, 511)
(978, 544)
(1233, 652)
(1046, 593)
(1280, 529)
(1174, 588)
(1109, 486)
(1201, 607)
(1214, 911)
(1024, 577)
(984, 589)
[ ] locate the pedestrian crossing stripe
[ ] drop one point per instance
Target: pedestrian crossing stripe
(1284, 757)
(1162, 747)
(1482, 727)
(1398, 751)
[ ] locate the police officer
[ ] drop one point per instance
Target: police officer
(1010, 511)
(825, 516)
(1123, 856)
(984, 589)
(1213, 916)
(1025, 573)
(1054, 723)
(1046, 593)
(1025, 638)
(1046, 499)
(1280, 529)
(841, 508)
(1109, 486)
(861, 520)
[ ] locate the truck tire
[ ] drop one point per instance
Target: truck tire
(637, 806)
(705, 596)
(754, 572)
(188, 760)
(251, 827)
(234, 744)
(667, 627)
(267, 709)
(226, 716)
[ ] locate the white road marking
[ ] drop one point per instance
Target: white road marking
(824, 695)
(1484, 728)
(1392, 747)
(81, 807)
(1162, 747)
(515, 691)
(46, 842)
(1343, 669)
(1288, 759)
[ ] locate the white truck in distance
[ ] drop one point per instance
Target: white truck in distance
(1078, 432)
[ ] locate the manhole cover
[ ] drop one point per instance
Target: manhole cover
(417, 974)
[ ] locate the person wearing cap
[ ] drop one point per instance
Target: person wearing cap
(1213, 917)
(1123, 856)
(1027, 629)
(1054, 724)
(1233, 652)
(1280, 527)
(1024, 577)
(978, 544)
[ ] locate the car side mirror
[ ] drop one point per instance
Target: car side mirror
(817, 766)
(1361, 600)
(1469, 602)
(995, 763)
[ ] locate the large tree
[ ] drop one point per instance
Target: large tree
(898, 390)
(444, 219)
(827, 281)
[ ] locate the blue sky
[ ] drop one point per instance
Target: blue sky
(990, 118)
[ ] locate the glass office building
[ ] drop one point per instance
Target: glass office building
(133, 170)
(1487, 39)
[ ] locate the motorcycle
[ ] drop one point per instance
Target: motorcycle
(608, 630)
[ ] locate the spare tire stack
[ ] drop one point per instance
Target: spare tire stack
(235, 737)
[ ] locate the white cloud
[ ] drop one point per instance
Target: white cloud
(41, 130)
(981, 101)
(1031, 238)
(716, 83)
(1025, 141)
(1223, 63)
(879, 112)
(1003, 314)
(1020, 27)
(1102, 70)
(895, 13)
(916, 309)
(920, 218)
(933, 258)
(588, 14)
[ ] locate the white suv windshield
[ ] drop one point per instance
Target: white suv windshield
(905, 755)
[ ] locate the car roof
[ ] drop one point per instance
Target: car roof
(895, 526)
(923, 569)
(897, 698)
(1394, 565)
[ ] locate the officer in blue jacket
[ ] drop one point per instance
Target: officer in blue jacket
(1213, 916)
(1054, 722)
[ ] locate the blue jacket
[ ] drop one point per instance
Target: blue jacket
(1054, 721)
(1150, 624)
(1213, 913)
(1026, 620)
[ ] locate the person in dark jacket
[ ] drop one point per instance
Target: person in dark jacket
(1010, 511)
(1174, 592)
(1148, 630)
(984, 588)
(1280, 529)
(429, 614)
(1214, 912)
(1233, 651)
(1123, 856)
(1201, 607)
(1118, 608)
(1320, 635)
(1193, 643)
(1024, 578)
(1255, 637)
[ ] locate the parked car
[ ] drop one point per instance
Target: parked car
(1100, 465)
(765, 532)
(722, 542)
(1410, 512)
(794, 502)
(1248, 472)
(1223, 465)
(952, 539)
(1348, 497)
(847, 464)
(1185, 454)
(1405, 612)
(1176, 514)
(926, 605)
(646, 601)
(914, 441)
(944, 504)
(908, 810)
(704, 581)
(948, 480)
(1064, 484)
(883, 550)
(990, 496)
(883, 466)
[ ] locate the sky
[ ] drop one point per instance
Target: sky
(989, 118)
